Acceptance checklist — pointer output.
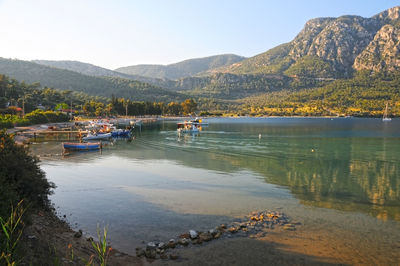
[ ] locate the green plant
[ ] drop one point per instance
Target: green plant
(101, 247)
(12, 230)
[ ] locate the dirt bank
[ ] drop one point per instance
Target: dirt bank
(50, 241)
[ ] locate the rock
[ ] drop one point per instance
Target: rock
(173, 256)
(223, 226)
(183, 242)
(171, 243)
(151, 245)
(205, 236)
(162, 245)
(117, 254)
(78, 234)
(193, 234)
(232, 229)
(32, 237)
(217, 235)
(197, 241)
(213, 232)
(150, 253)
(90, 239)
(164, 256)
(185, 235)
(140, 252)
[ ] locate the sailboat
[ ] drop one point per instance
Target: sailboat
(385, 114)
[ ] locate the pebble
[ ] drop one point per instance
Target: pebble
(151, 245)
(171, 243)
(217, 235)
(183, 242)
(140, 252)
(150, 253)
(193, 234)
(232, 230)
(213, 232)
(205, 236)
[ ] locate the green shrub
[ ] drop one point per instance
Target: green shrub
(20, 177)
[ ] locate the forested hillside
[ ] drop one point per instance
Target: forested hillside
(69, 80)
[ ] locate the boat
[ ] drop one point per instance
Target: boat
(81, 146)
(121, 133)
(199, 121)
(385, 114)
(97, 136)
(188, 127)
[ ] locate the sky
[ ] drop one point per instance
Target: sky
(120, 33)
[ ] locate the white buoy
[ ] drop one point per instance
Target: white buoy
(259, 136)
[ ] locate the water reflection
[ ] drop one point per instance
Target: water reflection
(344, 164)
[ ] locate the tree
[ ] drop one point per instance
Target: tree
(189, 106)
(61, 106)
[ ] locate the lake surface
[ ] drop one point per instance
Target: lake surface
(342, 174)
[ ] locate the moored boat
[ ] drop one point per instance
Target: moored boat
(97, 136)
(121, 133)
(81, 146)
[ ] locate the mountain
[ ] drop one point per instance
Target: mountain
(69, 80)
(83, 68)
(187, 68)
(92, 70)
(331, 47)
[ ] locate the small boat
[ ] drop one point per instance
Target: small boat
(121, 133)
(81, 146)
(385, 114)
(97, 136)
(198, 121)
(188, 127)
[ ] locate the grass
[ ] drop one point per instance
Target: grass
(101, 247)
(12, 229)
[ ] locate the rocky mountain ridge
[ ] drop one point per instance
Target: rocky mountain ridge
(346, 43)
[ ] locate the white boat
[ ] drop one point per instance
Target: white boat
(385, 114)
(97, 136)
(199, 121)
(188, 127)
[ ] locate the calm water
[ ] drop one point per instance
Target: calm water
(343, 173)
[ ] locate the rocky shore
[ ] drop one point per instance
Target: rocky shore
(255, 225)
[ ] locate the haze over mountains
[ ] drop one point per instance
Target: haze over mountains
(187, 68)
(326, 49)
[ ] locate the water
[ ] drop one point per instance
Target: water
(341, 174)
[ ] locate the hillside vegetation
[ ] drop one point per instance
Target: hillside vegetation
(69, 80)
(187, 68)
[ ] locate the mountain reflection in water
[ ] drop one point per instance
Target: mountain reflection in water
(346, 164)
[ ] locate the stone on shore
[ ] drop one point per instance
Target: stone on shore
(193, 234)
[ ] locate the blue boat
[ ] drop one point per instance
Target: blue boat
(121, 133)
(81, 146)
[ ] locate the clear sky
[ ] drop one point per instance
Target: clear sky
(115, 33)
